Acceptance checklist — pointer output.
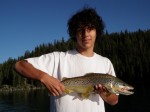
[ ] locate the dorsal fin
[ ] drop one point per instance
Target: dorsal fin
(64, 78)
(88, 74)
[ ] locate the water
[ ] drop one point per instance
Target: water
(24, 101)
(38, 101)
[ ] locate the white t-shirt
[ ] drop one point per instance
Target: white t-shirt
(72, 64)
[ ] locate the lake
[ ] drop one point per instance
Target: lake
(38, 101)
(24, 101)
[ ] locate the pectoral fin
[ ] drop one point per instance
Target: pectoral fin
(85, 95)
(68, 91)
(87, 92)
(84, 91)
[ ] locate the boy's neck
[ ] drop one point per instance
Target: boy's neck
(87, 52)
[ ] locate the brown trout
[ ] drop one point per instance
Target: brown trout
(85, 84)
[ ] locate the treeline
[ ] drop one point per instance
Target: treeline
(128, 51)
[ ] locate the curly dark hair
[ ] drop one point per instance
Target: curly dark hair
(86, 18)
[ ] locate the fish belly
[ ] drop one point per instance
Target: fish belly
(84, 91)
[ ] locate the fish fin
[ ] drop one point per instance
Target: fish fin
(86, 94)
(64, 78)
(88, 74)
(68, 91)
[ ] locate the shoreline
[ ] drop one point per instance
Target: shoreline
(9, 88)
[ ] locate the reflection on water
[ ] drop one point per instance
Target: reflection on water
(24, 101)
(38, 101)
(138, 102)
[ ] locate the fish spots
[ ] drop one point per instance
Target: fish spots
(85, 84)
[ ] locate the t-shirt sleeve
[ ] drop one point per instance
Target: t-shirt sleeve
(44, 62)
(110, 68)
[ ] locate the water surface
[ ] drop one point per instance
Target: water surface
(38, 101)
(24, 101)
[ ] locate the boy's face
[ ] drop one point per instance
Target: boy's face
(86, 38)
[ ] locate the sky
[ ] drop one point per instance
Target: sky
(25, 24)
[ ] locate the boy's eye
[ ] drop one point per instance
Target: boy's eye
(81, 30)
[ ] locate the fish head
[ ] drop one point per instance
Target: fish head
(120, 87)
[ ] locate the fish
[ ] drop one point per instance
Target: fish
(84, 85)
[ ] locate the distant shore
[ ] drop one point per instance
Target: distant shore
(17, 88)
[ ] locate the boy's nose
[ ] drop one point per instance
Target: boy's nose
(84, 32)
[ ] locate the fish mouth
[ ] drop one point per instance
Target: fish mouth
(127, 90)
